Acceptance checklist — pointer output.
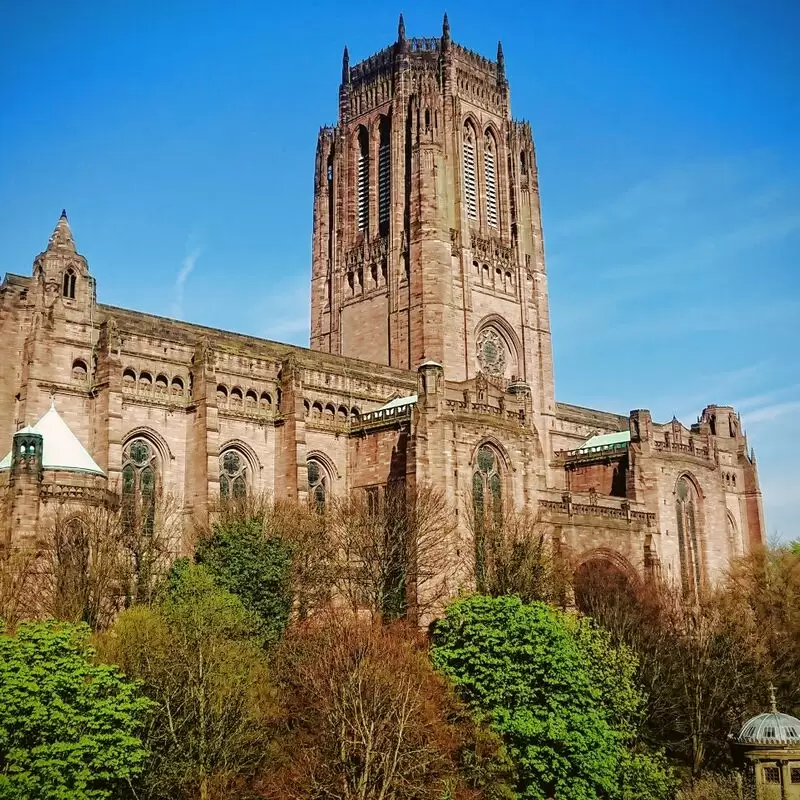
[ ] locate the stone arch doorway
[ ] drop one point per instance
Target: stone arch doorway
(604, 583)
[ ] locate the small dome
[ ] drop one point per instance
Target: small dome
(771, 728)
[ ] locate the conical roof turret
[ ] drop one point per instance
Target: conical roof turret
(61, 237)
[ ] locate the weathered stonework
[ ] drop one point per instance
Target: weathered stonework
(428, 279)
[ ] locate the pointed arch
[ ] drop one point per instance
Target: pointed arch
(688, 515)
(384, 174)
(490, 167)
(506, 364)
(68, 283)
(362, 178)
(469, 162)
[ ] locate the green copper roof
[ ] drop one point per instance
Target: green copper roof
(605, 440)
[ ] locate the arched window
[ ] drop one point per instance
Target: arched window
(177, 387)
(79, 371)
(470, 184)
(68, 287)
(161, 384)
(686, 509)
(384, 177)
(487, 502)
(317, 483)
(492, 352)
(362, 179)
(490, 178)
(139, 484)
(232, 474)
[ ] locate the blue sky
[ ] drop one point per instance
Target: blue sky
(180, 137)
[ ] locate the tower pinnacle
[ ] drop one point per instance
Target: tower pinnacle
(61, 237)
(501, 62)
(345, 66)
(401, 29)
(446, 27)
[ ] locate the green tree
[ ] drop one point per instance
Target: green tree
(199, 658)
(254, 567)
(559, 694)
(69, 729)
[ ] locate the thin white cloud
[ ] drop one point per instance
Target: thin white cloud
(771, 412)
(287, 313)
(186, 268)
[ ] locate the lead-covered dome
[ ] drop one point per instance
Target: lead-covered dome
(772, 728)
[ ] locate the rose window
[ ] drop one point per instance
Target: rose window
(491, 352)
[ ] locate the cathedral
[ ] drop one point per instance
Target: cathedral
(430, 359)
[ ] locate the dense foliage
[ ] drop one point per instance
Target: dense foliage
(254, 567)
(273, 664)
(198, 656)
(556, 690)
(69, 729)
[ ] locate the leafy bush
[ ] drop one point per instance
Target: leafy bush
(255, 568)
(69, 729)
(559, 694)
(199, 658)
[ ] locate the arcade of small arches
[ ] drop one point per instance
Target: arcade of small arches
(236, 398)
(144, 383)
(730, 479)
(498, 279)
(329, 412)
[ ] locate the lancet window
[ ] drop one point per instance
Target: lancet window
(317, 483)
(68, 287)
(470, 182)
(139, 484)
(384, 177)
(487, 501)
(686, 509)
(362, 180)
(490, 178)
(233, 474)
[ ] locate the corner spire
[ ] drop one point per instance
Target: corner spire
(61, 237)
(401, 29)
(446, 27)
(501, 62)
(345, 66)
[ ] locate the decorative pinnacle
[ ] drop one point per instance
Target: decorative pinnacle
(61, 237)
(63, 213)
(773, 706)
(401, 29)
(446, 27)
(346, 66)
(501, 61)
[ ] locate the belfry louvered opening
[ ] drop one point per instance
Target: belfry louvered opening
(362, 180)
(470, 185)
(489, 172)
(384, 177)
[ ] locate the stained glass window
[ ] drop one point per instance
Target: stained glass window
(317, 484)
(139, 484)
(487, 500)
(491, 352)
(688, 544)
(232, 474)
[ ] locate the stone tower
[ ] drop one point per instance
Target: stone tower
(427, 227)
